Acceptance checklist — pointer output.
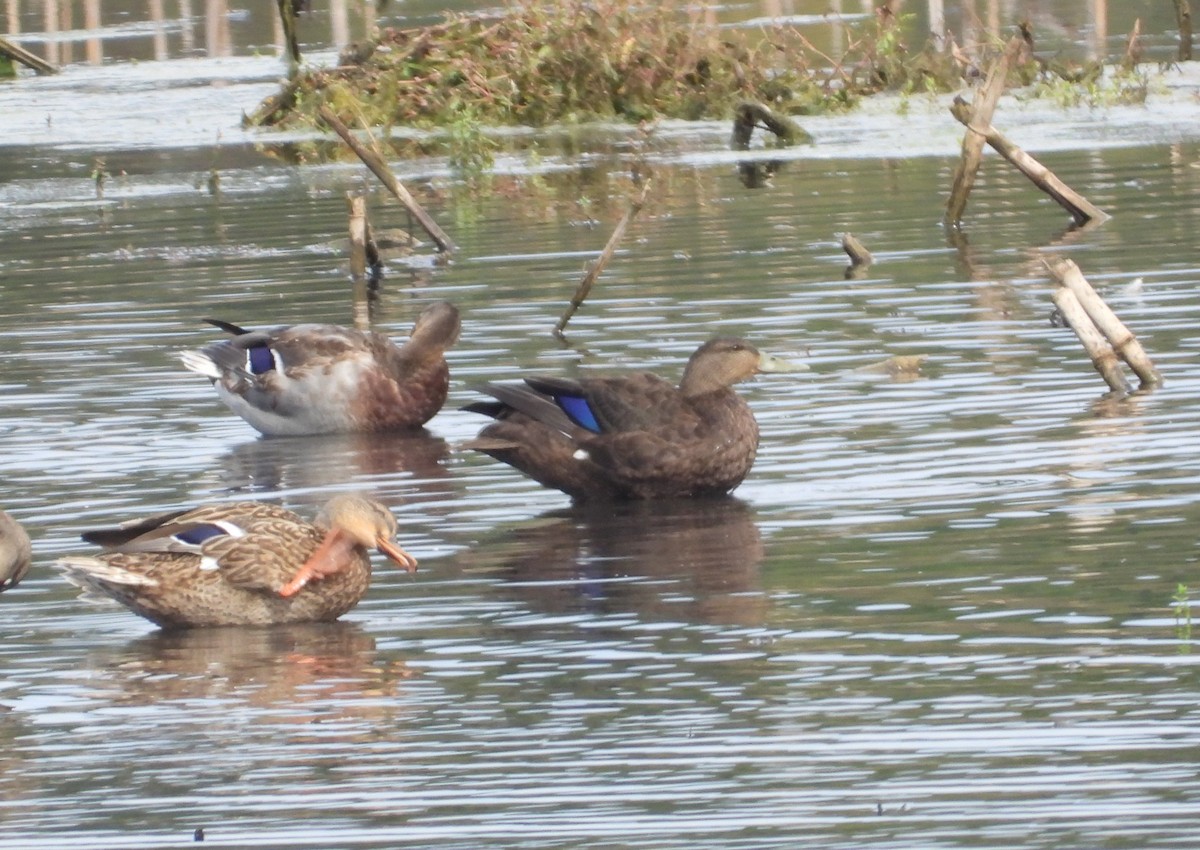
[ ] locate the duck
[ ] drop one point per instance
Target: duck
(631, 436)
(299, 380)
(16, 553)
(240, 563)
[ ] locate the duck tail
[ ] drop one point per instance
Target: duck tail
(94, 574)
(200, 363)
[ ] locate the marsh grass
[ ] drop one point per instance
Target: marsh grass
(599, 60)
(582, 62)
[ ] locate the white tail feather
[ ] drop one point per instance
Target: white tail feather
(89, 572)
(200, 363)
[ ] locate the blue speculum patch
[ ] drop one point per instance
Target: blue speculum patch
(261, 360)
(578, 410)
(197, 534)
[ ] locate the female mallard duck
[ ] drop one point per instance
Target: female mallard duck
(16, 554)
(245, 563)
(323, 379)
(631, 437)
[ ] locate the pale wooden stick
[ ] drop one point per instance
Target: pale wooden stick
(596, 266)
(375, 162)
(1183, 14)
(859, 255)
(973, 141)
(1124, 343)
(358, 259)
(1094, 343)
(1081, 210)
(19, 54)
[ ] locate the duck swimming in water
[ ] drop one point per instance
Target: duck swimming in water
(243, 563)
(634, 436)
(323, 379)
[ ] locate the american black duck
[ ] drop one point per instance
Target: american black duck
(634, 436)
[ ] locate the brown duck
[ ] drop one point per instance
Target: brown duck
(244, 563)
(16, 553)
(323, 379)
(635, 436)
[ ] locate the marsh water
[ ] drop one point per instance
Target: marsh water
(943, 610)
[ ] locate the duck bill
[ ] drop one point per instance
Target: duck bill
(330, 557)
(393, 551)
(769, 363)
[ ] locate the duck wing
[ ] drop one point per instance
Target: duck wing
(253, 545)
(638, 402)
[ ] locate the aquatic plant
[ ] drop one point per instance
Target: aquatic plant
(1093, 86)
(588, 60)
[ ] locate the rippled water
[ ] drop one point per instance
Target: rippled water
(938, 614)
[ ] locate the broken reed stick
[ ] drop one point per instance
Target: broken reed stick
(597, 265)
(19, 54)
(981, 115)
(358, 259)
(749, 115)
(287, 15)
(1122, 340)
(859, 256)
(380, 169)
(1133, 47)
(1104, 358)
(1183, 15)
(1081, 209)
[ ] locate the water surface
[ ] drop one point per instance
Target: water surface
(939, 612)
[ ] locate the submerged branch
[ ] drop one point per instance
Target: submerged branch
(597, 265)
(380, 169)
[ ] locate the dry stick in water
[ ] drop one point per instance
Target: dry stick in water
(1123, 342)
(287, 16)
(375, 162)
(596, 266)
(859, 256)
(973, 141)
(358, 259)
(1183, 14)
(749, 115)
(1081, 210)
(1094, 343)
(18, 53)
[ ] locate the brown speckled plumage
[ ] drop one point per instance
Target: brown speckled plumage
(320, 379)
(161, 569)
(647, 438)
(16, 553)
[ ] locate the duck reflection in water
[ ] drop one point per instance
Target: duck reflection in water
(317, 671)
(313, 465)
(685, 559)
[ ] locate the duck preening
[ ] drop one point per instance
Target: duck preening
(634, 436)
(323, 379)
(243, 563)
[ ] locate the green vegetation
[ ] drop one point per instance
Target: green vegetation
(577, 61)
(1092, 86)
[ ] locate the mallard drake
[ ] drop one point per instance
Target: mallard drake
(16, 553)
(635, 436)
(324, 379)
(244, 563)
